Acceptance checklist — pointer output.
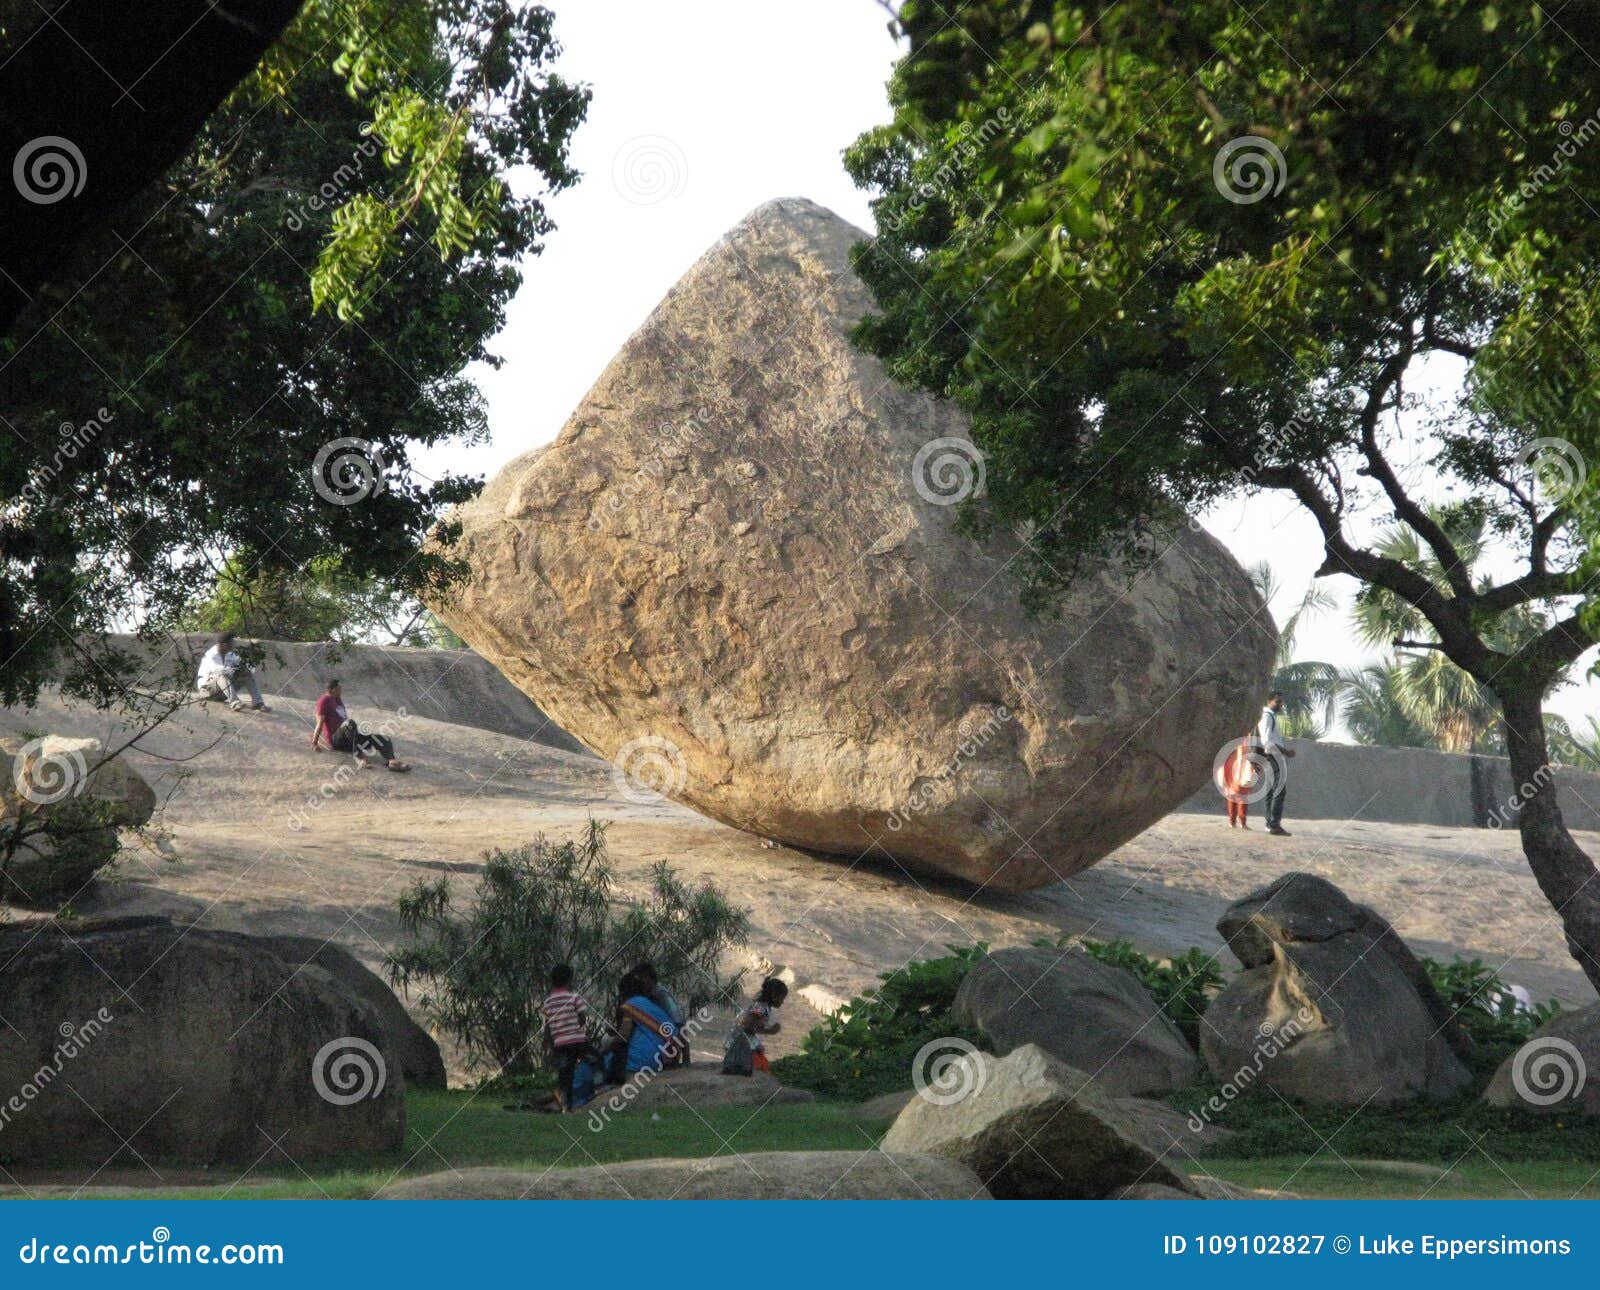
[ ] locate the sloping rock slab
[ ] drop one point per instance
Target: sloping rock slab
(1328, 1009)
(762, 1175)
(697, 1086)
(1088, 1014)
(189, 1045)
(735, 570)
(1033, 1128)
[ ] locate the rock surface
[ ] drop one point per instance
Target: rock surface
(1557, 1071)
(1033, 1128)
(1089, 1014)
(420, 1059)
(69, 800)
(189, 1045)
(735, 573)
(761, 1175)
(1331, 1006)
(698, 1085)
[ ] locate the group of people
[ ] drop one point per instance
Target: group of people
(646, 1032)
(226, 678)
(1258, 769)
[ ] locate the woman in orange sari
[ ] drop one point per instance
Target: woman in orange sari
(1238, 779)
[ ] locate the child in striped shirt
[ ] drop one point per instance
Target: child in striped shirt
(564, 1011)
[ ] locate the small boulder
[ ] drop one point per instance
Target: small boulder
(68, 799)
(761, 1175)
(1033, 1128)
(1557, 1072)
(1331, 1006)
(1088, 1014)
(420, 1058)
(141, 1039)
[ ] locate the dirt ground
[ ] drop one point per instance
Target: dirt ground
(260, 834)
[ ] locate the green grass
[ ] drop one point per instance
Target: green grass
(1475, 1177)
(462, 1130)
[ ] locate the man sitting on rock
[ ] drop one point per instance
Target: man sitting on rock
(221, 674)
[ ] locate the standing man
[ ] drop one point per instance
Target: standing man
(1278, 752)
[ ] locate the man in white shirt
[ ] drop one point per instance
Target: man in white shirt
(1278, 751)
(221, 674)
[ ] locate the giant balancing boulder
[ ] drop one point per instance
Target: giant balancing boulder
(736, 573)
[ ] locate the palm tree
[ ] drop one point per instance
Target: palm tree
(1457, 713)
(1373, 712)
(1579, 751)
(1310, 689)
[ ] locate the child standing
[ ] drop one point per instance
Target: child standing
(756, 1020)
(564, 1012)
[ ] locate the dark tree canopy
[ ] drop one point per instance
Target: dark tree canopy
(1169, 254)
(178, 397)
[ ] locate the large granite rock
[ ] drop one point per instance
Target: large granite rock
(139, 1038)
(1332, 1007)
(67, 799)
(735, 572)
(759, 1175)
(1033, 1128)
(1557, 1072)
(418, 1051)
(1087, 1013)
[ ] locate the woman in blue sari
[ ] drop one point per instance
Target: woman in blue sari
(647, 1037)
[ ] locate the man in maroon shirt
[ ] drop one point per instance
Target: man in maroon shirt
(344, 735)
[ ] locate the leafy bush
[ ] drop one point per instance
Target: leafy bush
(1483, 1004)
(868, 1047)
(1182, 986)
(483, 973)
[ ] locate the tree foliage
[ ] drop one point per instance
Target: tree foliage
(181, 398)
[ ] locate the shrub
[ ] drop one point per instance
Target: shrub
(869, 1046)
(1483, 1004)
(483, 973)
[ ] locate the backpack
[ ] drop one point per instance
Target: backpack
(738, 1058)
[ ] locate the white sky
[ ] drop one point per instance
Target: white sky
(701, 112)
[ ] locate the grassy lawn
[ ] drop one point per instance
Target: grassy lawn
(460, 1130)
(1473, 1178)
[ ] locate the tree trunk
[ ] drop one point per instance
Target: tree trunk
(1565, 873)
